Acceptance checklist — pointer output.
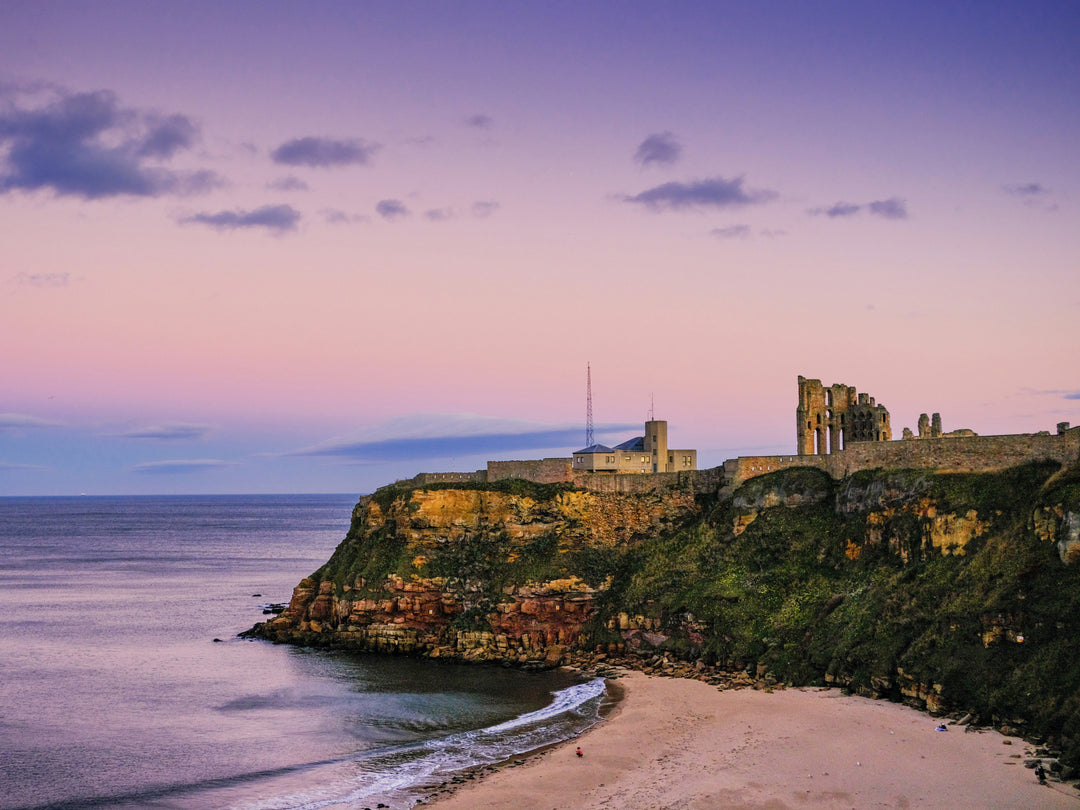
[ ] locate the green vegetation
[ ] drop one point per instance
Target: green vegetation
(842, 584)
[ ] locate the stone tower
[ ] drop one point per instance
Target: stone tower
(828, 418)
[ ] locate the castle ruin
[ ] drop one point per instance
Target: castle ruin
(829, 418)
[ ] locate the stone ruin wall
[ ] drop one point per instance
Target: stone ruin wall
(946, 454)
(542, 471)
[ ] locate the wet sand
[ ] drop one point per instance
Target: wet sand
(675, 743)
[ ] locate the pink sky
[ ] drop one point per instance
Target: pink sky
(703, 202)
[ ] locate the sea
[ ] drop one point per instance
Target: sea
(123, 683)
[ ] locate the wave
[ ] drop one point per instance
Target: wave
(398, 776)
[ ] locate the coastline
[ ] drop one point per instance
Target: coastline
(682, 743)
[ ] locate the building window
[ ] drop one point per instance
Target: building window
(686, 461)
(610, 459)
(644, 459)
(627, 459)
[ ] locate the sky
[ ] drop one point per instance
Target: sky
(318, 247)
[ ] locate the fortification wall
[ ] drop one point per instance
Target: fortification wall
(450, 477)
(698, 481)
(542, 471)
(947, 454)
(958, 453)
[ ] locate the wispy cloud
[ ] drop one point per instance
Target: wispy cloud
(43, 279)
(87, 145)
(661, 149)
(181, 466)
(335, 216)
(892, 208)
(391, 209)
(168, 431)
(439, 214)
(275, 218)
(715, 192)
(731, 232)
(1032, 195)
(289, 183)
(480, 121)
(13, 466)
(19, 421)
(449, 435)
(324, 153)
(484, 208)
(1025, 189)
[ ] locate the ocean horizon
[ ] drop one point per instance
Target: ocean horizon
(123, 682)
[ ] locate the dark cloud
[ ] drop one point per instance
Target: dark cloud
(662, 149)
(86, 145)
(1025, 189)
(484, 208)
(716, 192)
(840, 209)
(43, 279)
(892, 208)
(731, 232)
(439, 214)
(324, 152)
(181, 466)
(276, 218)
(480, 121)
(176, 431)
(289, 183)
(391, 209)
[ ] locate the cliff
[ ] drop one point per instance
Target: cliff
(955, 592)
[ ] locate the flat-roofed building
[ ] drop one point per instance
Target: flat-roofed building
(643, 454)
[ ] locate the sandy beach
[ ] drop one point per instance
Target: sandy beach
(674, 743)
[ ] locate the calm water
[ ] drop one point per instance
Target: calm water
(114, 694)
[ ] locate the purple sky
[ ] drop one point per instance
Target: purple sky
(309, 247)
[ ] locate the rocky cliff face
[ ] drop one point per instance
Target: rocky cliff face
(948, 591)
(473, 574)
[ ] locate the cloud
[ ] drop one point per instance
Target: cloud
(181, 466)
(335, 216)
(840, 209)
(772, 233)
(169, 431)
(731, 232)
(391, 209)
(289, 183)
(43, 279)
(892, 208)
(662, 149)
(275, 218)
(439, 214)
(13, 466)
(86, 145)
(480, 121)
(19, 421)
(1025, 189)
(1057, 392)
(324, 152)
(716, 192)
(484, 208)
(448, 435)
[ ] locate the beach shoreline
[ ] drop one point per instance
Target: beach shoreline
(682, 743)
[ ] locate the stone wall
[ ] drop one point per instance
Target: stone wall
(542, 471)
(946, 454)
(696, 481)
(480, 476)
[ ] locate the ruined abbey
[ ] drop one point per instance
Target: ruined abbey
(838, 430)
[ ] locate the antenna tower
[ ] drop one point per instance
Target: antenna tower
(589, 440)
(652, 409)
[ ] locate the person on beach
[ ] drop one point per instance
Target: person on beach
(581, 753)
(1040, 773)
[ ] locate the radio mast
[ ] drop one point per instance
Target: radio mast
(589, 440)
